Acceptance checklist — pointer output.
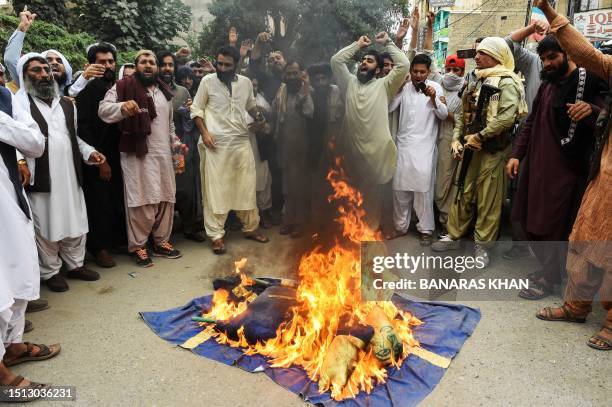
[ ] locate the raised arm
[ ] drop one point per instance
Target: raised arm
(523, 58)
(578, 48)
(401, 32)
(401, 66)
(428, 44)
(338, 62)
(12, 52)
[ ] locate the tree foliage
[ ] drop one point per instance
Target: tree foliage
(312, 29)
(43, 36)
(51, 11)
(134, 24)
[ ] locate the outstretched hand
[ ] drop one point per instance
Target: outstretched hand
(431, 16)
(414, 18)
(403, 29)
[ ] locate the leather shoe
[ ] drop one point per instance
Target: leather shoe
(37, 305)
(83, 273)
(57, 283)
(28, 327)
(104, 259)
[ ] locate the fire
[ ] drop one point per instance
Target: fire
(328, 293)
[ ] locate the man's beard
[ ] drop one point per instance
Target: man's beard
(294, 85)
(226, 76)
(109, 76)
(557, 74)
(44, 89)
(146, 81)
(276, 70)
(167, 78)
(60, 77)
(365, 77)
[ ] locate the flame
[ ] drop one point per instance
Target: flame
(328, 291)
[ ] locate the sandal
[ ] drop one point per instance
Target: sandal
(394, 234)
(547, 314)
(535, 292)
(218, 246)
(15, 384)
(256, 237)
(45, 352)
(286, 229)
(598, 342)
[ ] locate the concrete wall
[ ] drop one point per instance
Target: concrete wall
(494, 18)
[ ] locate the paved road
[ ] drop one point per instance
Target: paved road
(113, 358)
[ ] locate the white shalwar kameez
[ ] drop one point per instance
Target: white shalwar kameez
(60, 216)
(228, 175)
(19, 272)
(413, 183)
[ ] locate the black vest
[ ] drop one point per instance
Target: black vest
(8, 154)
(42, 179)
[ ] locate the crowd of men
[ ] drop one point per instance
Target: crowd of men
(101, 161)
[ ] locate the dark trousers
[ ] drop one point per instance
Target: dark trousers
(551, 252)
(105, 208)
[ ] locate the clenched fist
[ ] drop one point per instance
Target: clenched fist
(130, 108)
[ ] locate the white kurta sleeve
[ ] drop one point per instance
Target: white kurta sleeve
(200, 100)
(397, 100)
(441, 110)
(78, 86)
(109, 109)
(27, 139)
(401, 67)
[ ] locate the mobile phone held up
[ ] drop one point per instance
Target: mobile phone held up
(466, 53)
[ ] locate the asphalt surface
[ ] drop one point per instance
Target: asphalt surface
(114, 359)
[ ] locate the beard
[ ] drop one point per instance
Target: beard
(60, 77)
(557, 74)
(109, 76)
(276, 70)
(43, 89)
(146, 82)
(226, 76)
(294, 85)
(167, 78)
(365, 76)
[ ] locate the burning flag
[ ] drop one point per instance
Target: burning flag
(342, 343)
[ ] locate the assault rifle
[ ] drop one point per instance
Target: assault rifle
(478, 123)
